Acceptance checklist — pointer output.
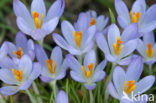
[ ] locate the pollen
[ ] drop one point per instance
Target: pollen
(18, 53)
(150, 50)
(50, 66)
(93, 22)
(89, 72)
(78, 38)
(18, 74)
(38, 24)
(135, 17)
(117, 47)
(129, 87)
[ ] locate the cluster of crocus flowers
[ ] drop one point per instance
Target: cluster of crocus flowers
(3, 50)
(88, 72)
(126, 85)
(145, 18)
(38, 24)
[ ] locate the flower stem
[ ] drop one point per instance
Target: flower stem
(150, 69)
(2, 99)
(55, 90)
(35, 88)
(32, 99)
(41, 42)
(91, 96)
(106, 84)
(11, 99)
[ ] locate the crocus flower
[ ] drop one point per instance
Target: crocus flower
(118, 47)
(99, 21)
(78, 40)
(146, 19)
(19, 76)
(61, 97)
(3, 50)
(88, 73)
(22, 47)
(147, 48)
(126, 84)
(53, 68)
(38, 24)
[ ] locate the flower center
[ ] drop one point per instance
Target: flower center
(129, 87)
(18, 53)
(118, 47)
(150, 50)
(50, 66)
(18, 74)
(93, 22)
(89, 72)
(135, 17)
(78, 38)
(38, 24)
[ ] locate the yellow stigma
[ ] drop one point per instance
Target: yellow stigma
(129, 87)
(135, 17)
(38, 24)
(150, 50)
(78, 38)
(18, 53)
(50, 66)
(18, 74)
(117, 47)
(89, 72)
(93, 22)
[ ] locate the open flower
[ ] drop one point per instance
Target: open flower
(146, 19)
(38, 24)
(3, 50)
(99, 21)
(61, 97)
(22, 47)
(118, 47)
(88, 73)
(78, 40)
(19, 76)
(126, 84)
(147, 48)
(54, 68)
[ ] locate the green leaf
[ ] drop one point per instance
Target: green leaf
(112, 16)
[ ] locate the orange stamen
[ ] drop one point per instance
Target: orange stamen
(150, 50)
(117, 47)
(78, 38)
(18, 74)
(135, 17)
(50, 66)
(89, 72)
(19, 53)
(38, 24)
(93, 22)
(128, 88)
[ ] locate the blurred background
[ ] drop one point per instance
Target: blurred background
(8, 30)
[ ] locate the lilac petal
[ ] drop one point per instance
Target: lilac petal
(130, 32)
(144, 84)
(141, 48)
(122, 22)
(3, 50)
(148, 38)
(39, 7)
(101, 66)
(98, 76)
(135, 69)
(112, 91)
(7, 76)
(36, 71)
(41, 55)
(77, 77)
(88, 47)
(45, 79)
(56, 55)
(26, 85)
(7, 63)
(21, 41)
(147, 27)
(30, 49)
(9, 90)
(90, 86)
(101, 22)
(119, 79)
(126, 100)
(38, 34)
(125, 61)
(56, 9)
(49, 26)
(61, 97)
(89, 58)
(11, 48)
(122, 11)
(61, 75)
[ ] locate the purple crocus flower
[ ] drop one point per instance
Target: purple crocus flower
(99, 21)
(38, 24)
(118, 47)
(125, 85)
(88, 73)
(147, 48)
(53, 68)
(22, 47)
(18, 76)
(146, 19)
(78, 40)
(61, 97)
(3, 50)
